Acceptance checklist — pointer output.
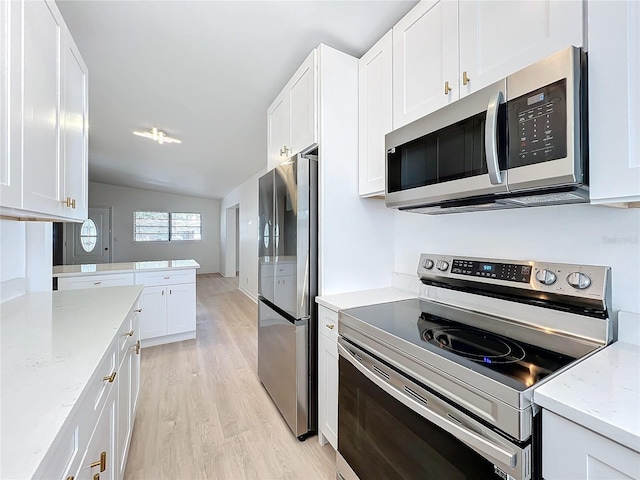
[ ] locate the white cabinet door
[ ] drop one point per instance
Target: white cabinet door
(425, 60)
(124, 419)
(104, 439)
(181, 308)
(571, 452)
(74, 131)
(10, 111)
(375, 113)
(44, 33)
(614, 101)
(303, 118)
(278, 145)
(328, 376)
(498, 38)
(153, 318)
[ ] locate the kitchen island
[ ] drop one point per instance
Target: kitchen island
(65, 359)
(168, 300)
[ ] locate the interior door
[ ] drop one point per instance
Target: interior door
(90, 241)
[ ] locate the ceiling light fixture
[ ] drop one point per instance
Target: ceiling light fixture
(157, 136)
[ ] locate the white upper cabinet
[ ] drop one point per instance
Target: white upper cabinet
(498, 38)
(277, 125)
(74, 132)
(375, 112)
(10, 113)
(425, 60)
(303, 118)
(42, 162)
(614, 101)
(446, 49)
(292, 119)
(44, 119)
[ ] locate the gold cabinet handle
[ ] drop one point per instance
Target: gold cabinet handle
(96, 476)
(447, 88)
(110, 378)
(102, 463)
(71, 477)
(97, 283)
(73, 203)
(67, 202)
(465, 78)
(138, 310)
(138, 347)
(129, 333)
(329, 326)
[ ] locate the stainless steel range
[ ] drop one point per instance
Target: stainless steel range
(441, 386)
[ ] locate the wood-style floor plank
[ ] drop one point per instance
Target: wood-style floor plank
(203, 413)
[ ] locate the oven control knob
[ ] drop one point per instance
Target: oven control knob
(579, 280)
(546, 277)
(427, 264)
(442, 265)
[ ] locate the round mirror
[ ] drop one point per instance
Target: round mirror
(88, 235)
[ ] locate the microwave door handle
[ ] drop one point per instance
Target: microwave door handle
(491, 139)
(463, 434)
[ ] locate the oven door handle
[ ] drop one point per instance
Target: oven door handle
(469, 437)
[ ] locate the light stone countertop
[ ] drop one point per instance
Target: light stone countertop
(51, 344)
(601, 393)
(126, 267)
(343, 301)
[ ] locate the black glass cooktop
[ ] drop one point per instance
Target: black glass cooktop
(441, 330)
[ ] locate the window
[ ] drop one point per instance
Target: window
(166, 227)
(88, 235)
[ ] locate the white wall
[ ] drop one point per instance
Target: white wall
(582, 234)
(246, 197)
(26, 250)
(124, 201)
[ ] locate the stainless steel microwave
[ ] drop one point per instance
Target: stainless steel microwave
(518, 142)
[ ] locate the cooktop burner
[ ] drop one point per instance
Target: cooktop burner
(476, 345)
(439, 330)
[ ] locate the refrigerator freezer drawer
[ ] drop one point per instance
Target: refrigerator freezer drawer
(283, 365)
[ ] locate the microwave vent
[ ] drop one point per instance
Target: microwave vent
(551, 198)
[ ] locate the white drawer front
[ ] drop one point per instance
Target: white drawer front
(165, 277)
(94, 281)
(328, 323)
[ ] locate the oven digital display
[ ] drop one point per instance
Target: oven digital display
(500, 271)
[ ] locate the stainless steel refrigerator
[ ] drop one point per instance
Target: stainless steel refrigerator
(287, 286)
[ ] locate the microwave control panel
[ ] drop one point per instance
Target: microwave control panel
(538, 125)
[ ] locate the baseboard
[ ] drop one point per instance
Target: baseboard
(255, 300)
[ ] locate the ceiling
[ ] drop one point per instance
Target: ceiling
(204, 72)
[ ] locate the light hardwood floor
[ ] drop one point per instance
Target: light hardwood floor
(203, 413)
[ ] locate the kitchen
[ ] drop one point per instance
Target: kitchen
(382, 249)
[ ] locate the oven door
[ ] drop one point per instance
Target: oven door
(390, 426)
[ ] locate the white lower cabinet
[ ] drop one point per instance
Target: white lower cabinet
(168, 307)
(94, 443)
(327, 376)
(572, 452)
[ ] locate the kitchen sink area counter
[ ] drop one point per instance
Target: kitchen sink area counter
(53, 345)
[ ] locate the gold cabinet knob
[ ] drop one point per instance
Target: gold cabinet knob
(102, 463)
(71, 477)
(110, 378)
(138, 347)
(447, 88)
(138, 310)
(329, 326)
(465, 78)
(129, 333)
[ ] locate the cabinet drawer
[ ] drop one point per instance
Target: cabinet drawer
(128, 332)
(98, 388)
(328, 323)
(94, 281)
(165, 277)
